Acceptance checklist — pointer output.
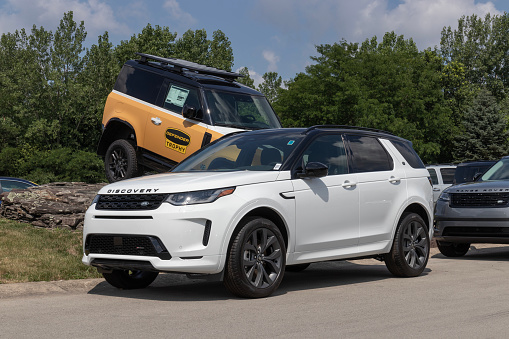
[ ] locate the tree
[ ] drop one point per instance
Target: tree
(484, 134)
(271, 86)
(246, 80)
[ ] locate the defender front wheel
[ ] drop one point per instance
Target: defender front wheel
(120, 161)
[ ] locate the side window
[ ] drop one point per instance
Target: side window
(139, 83)
(406, 150)
(433, 175)
(448, 175)
(178, 96)
(8, 185)
(368, 154)
(329, 150)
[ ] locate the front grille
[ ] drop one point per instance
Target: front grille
(458, 231)
(130, 201)
(480, 199)
(143, 245)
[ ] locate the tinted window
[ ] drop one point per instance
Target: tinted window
(368, 154)
(468, 172)
(448, 175)
(407, 151)
(433, 175)
(8, 185)
(329, 150)
(139, 84)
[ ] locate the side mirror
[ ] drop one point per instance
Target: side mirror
(190, 112)
(477, 176)
(314, 170)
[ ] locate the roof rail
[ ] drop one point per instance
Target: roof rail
(180, 65)
(347, 127)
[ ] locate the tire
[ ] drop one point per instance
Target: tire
(256, 259)
(450, 249)
(120, 161)
(128, 280)
(296, 268)
(410, 249)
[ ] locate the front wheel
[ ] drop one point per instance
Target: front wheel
(256, 259)
(450, 249)
(128, 279)
(120, 161)
(410, 249)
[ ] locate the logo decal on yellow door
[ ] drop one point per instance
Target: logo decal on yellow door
(177, 140)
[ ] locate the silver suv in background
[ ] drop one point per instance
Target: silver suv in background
(442, 176)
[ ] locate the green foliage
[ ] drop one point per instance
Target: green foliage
(246, 80)
(484, 134)
(271, 86)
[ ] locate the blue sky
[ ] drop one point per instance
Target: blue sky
(266, 35)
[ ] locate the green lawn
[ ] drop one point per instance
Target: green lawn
(28, 253)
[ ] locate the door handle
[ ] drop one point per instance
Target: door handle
(156, 121)
(394, 180)
(348, 184)
(436, 189)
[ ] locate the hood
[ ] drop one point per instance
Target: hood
(480, 187)
(188, 181)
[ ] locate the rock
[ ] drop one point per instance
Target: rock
(55, 205)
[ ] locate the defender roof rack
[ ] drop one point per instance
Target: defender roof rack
(180, 65)
(347, 127)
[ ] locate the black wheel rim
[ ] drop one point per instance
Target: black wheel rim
(415, 245)
(262, 258)
(118, 163)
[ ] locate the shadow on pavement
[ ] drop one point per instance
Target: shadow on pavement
(488, 252)
(178, 287)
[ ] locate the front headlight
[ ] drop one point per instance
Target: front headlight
(444, 196)
(198, 197)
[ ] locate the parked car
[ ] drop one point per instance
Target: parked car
(474, 212)
(161, 110)
(470, 170)
(8, 183)
(253, 204)
(442, 176)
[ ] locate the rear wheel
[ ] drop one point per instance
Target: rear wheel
(450, 249)
(256, 259)
(120, 161)
(128, 279)
(410, 249)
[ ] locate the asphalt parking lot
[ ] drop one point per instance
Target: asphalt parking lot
(465, 297)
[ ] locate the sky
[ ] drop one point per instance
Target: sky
(266, 35)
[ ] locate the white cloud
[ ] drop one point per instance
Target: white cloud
(272, 59)
(178, 14)
(327, 21)
(97, 15)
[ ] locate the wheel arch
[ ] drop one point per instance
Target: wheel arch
(116, 129)
(419, 210)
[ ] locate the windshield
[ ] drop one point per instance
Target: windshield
(250, 151)
(499, 171)
(240, 110)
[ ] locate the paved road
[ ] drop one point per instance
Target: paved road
(455, 298)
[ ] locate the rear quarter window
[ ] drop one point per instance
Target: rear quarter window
(407, 151)
(368, 154)
(139, 83)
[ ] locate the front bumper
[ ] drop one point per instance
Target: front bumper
(471, 225)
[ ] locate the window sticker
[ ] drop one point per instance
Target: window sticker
(177, 96)
(291, 142)
(278, 166)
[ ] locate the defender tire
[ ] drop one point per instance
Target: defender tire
(120, 161)
(410, 249)
(256, 259)
(450, 249)
(128, 280)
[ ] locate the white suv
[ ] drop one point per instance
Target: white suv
(253, 204)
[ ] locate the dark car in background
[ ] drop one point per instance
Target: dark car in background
(471, 170)
(474, 212)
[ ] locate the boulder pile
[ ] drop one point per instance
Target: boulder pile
(54, 205)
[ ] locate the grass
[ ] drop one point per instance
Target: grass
(28, 253)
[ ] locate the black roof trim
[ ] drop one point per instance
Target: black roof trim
(180, 65)
(347, 127)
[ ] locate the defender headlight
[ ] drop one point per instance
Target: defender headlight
(198, 197)
(444, 196)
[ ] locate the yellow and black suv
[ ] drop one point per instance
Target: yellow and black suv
(161, 110)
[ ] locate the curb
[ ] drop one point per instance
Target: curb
(48, 287)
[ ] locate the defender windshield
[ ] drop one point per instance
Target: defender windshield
(250, 151)
(240, 110)
(499, 171)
